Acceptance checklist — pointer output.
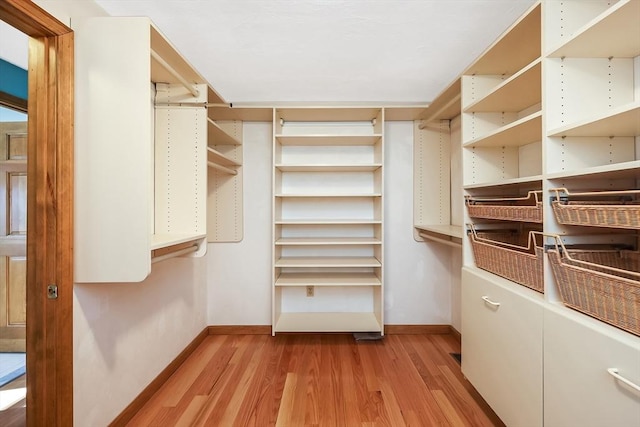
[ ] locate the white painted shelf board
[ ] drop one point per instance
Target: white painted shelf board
(328, 262)
(327, 279)
(333, 221)
(320, 241)
(328, 114)
(328, 168)
(505, 182)
(350, 195)
(518, 92)
(607, 35)
(219, 158)
(518, 46)
(328, 140)
(521, 132)
(217, 135)
(444, 229)
(621, 121)
(327, 322)
(163, 240)
(617, 170)
(168, 52)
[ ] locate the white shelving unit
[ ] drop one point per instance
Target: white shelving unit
(141, 158)
(437, 208)
(327, 232)
(225, 173)
(584, 136)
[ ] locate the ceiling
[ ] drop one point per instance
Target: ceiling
(360, 51)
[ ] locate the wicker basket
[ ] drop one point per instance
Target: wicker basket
(602, 284)
(604, 209)
(514, 256)
(526, 209)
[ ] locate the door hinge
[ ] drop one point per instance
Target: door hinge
(52, 291)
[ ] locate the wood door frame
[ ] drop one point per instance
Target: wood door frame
(49, 214)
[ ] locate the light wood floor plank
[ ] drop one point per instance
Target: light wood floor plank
(319, 380)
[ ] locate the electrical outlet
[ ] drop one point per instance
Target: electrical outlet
(310, 291)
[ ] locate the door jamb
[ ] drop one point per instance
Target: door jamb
(49, 214)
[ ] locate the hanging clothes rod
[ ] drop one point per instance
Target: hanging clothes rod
(195, 92)
(222, 168)
(439, 240)
(175, 254)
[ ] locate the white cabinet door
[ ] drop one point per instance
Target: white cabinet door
(578, 389)
(502, 345)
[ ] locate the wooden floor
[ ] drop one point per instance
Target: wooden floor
(318, 380)
(14, 415)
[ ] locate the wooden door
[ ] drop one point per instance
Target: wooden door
(13, 231)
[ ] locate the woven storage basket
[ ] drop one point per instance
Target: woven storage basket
(514, 256)
(597, 213)
(526, 209)
(602, 284)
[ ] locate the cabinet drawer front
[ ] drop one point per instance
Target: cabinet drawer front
(578, 389)
(502, 346)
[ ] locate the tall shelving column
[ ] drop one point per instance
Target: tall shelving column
(502, 321)
(592, 135)
(328, 220)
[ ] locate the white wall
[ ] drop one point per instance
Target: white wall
(417, 275)
(125, 334)
(239, 274)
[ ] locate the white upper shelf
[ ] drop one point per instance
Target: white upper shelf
(612, 34)
(218, 136)
(620, 121)
(521, 132)
(322, 140)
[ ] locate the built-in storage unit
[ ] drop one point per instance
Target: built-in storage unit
(224, 178)
(550, 140)
(437, 213)
(141, 169)
(327, 220)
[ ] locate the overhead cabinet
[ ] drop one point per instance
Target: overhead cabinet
(142, 151)
(327, 220)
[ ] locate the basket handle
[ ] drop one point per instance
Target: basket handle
(531, 241)
(535, 194)
(591, 193)
(562, 250)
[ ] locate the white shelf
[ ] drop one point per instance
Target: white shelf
(326, 241)
(621, 121)
(444, 229)
(445, 106)
(506, 182)
(328, 140)
(164, 240)
(327, 322)
(328, 168)
(308, 195)
(217, 135)
(615, 171)
(332, 221)
(328, 114)
(518, 92)
(327, 262)
(220, 159)
(521, 132)
(606, 35)
(327, 279)
(517, 47)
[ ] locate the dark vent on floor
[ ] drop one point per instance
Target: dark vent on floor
(367, 336)
(457, 356)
